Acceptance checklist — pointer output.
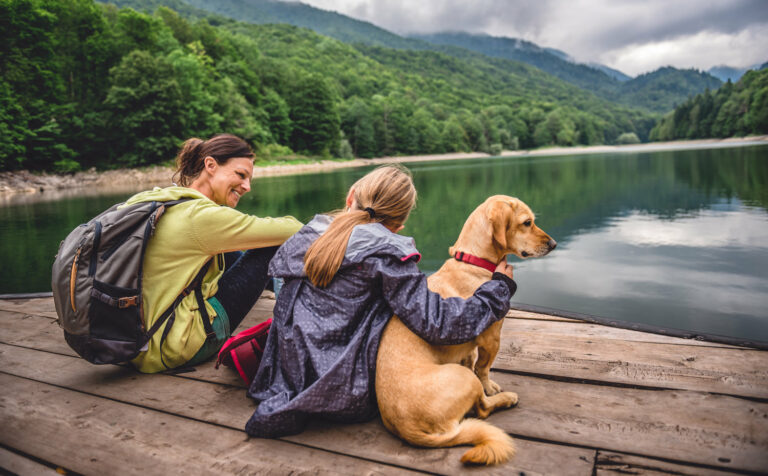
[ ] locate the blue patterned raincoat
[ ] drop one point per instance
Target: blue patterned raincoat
(320, 357)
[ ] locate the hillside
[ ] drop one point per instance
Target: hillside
(725, 73)
(733, 110)
(117, 88)
(548, 60)
(601, 80)
(658, 91)
(665, 88)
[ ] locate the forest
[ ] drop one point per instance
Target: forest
(87, 84)
(733, 110)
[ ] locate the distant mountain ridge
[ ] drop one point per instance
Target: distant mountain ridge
(554, 62)
(725, 73)
(658, 91)
(601, 80)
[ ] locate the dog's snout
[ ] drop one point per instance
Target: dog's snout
(552, 244)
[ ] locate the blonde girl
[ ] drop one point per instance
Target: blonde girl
(345, 275)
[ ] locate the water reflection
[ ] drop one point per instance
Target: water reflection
(674, 238)
(703, 272)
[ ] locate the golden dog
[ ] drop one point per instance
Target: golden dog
(423, 390)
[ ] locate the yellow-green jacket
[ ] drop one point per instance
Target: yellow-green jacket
(187, 235)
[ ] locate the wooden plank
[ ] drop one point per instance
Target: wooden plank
(39, 306)
(732, 371)
(93, 435)
(262, 310)
(15, 463)
(532, 457)
(229, 407)
(32, 331)
(609, 463)
(597, 331)
(519, 314)
(695, 427)
(698, 420)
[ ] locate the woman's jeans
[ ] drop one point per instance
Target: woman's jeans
(243, 281)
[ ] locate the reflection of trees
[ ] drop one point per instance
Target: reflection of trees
(568, 194)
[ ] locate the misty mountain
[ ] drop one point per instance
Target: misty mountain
(554, 62)
(724, 73)
(614, 73)
(503, 53)
(666, 88)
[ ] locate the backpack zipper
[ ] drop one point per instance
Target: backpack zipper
(73, 279)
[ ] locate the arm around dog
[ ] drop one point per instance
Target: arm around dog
(443, 321)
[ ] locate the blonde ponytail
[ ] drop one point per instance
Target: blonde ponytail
(386, 195)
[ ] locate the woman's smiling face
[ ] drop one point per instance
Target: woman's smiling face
(230, 180)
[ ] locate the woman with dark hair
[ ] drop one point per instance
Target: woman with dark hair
(210, 174)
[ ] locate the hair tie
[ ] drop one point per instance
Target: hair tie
(370, 211)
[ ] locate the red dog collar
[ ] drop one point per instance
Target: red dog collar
(483, 263)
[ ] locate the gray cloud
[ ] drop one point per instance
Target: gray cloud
(588, 30)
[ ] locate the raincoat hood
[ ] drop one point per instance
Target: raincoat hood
(365, 241)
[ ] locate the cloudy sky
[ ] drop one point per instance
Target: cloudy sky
(634, 36)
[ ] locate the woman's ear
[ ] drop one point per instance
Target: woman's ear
(210, 164)
(350, 197)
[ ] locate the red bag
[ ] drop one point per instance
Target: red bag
(243, 352)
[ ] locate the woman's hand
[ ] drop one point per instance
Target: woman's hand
(505, 268)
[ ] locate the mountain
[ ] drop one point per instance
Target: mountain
(552, 61)
(325, 22)
(658, 91)
(724, 73)
(738, 109)
(664, 89)
(614, 73)
(119, 87)
(598, 79)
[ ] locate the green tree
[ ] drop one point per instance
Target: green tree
(315, 116)
(357, 123)
(146, 110)
(277, 116)
(454, 137)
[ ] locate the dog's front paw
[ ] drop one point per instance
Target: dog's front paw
(491, 387)
(511, 399)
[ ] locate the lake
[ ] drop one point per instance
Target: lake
(675, 239)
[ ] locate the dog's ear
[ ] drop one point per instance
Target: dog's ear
(498, 214)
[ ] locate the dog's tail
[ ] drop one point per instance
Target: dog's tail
(491, 444)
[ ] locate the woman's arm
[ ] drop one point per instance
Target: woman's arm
(443, 321)
(218, 229)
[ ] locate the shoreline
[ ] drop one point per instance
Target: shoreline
(24, 186)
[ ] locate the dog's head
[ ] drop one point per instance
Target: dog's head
(502, 225)
(514, 229)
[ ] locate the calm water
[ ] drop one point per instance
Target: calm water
(675, 239)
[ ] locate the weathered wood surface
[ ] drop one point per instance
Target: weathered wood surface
(228, 406)
(565, 349)
(93, 435)
(21, 465)
(611, 464)
(593, 400)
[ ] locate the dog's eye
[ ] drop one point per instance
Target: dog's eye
(527, 223)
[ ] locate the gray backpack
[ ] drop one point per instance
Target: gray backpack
(96, 284)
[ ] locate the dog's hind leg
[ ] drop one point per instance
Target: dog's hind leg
(487, 348)
(486, 405)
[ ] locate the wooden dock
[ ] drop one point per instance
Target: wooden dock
(594, 400)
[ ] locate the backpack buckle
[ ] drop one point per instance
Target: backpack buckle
(124, 302)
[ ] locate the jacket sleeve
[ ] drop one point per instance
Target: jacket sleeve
(217, 229)
(442, 321)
